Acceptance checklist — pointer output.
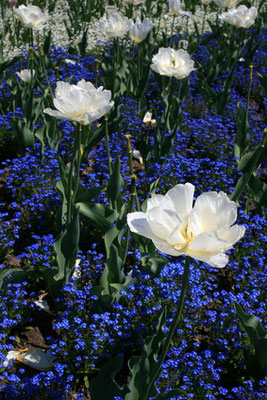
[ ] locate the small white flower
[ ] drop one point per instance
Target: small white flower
(175, 6)
(26, 75)
(138, 31)
(241, 17)
(204, 232)
(172, 62)
(113, 25)
(226, 3)
(82, 102)
(31, 16)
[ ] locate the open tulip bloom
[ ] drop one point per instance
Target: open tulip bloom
(82, 102)
(204, 232)
(31, 16)
(172, 62)
(241, 17)
(114, 25)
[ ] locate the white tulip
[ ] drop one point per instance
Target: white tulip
(138, 31)
(175, 6)
(148, 121)
(226, 3)
(241, 17)
(82, 102)
(37, 359)
(204, 232)
(172, 62)
(31, 16)
(26, 75)
(113, 25)
(137, 156)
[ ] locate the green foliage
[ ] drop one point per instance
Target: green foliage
(249, 162)
(141, 369)
(257, 362)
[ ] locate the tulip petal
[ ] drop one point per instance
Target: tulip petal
(212, 211)
(182, 199)
(233, 234)
(208, 242)
(218, 260)
(138, 223)
(165, 248)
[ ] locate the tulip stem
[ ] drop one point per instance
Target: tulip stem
(44, 69)
(107, 144)
(173, 327)
(76, 151)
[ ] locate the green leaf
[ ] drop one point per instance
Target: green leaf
(66, 248)
(258, 338)
(115, 266)
(251, 324)
(85, 195)
(142, 367)
(242, 138)
(104, 386)
(99, 215)
(15, 274)
(153, 266)
(115, 233)
(259, 191)
(115, 182)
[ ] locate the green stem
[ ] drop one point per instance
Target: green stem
(173, 327)
(44, 69)
(107, 144)
(169, 95)
(70, 197)
(78, 164)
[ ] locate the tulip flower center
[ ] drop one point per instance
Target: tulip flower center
(187, 236)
